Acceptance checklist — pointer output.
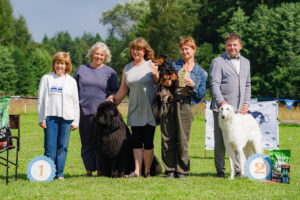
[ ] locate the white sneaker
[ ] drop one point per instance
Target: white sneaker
(60, 178)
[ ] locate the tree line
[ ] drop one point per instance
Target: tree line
(270, 31)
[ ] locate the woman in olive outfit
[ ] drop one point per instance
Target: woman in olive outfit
(176, 124)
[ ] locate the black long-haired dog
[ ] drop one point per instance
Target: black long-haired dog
(114, 143)
(164, 95)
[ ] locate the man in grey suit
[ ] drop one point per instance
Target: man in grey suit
(229, 79)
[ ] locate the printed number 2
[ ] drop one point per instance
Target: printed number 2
(41, 171)
(260, 167)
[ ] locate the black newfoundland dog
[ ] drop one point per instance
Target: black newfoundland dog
(114, 143)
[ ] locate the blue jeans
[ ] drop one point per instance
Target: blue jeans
(56, 141)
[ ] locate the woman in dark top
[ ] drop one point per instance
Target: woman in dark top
(96, 81)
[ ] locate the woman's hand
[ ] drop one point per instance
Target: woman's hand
(73, 128)
(43, 124)
(111, 98)
(155, 72)
(189, 82)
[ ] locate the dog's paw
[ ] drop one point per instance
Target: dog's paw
(243, 176)
(231, 176)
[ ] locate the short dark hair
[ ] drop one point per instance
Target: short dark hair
(233, 36)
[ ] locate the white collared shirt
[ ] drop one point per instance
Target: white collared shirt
(237, 64)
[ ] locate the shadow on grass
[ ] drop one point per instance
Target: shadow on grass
(24, 176)
(11, 176)
(75, 175)
(202, 157)
(203, 174)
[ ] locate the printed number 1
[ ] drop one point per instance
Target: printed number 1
(260, 167)
(41, 171)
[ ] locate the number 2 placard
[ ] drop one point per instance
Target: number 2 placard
(259, 167)
(41, 168)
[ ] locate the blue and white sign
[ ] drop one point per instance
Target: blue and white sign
(41, 168)
(266, 115)
(289, 103)
(259, 167)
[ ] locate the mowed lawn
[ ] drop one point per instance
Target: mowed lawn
(201, 184)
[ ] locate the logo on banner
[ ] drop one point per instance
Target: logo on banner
(289, 103)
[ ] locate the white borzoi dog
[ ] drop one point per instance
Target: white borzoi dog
(242, 136)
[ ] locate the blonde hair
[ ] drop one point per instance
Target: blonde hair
(189, 41)
(103, 47)
(142, 44)
(62, 57)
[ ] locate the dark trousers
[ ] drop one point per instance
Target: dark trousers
(88, 145)
(175, 134)
(219, 149)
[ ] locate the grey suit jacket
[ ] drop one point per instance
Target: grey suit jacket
(227, 85)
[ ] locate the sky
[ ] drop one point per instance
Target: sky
(48, 17)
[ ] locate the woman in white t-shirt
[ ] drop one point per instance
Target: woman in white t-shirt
(58, 110)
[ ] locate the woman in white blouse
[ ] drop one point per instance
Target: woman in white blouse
(58, 110)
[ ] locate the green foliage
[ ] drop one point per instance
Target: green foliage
(123, 18)
(166, 23)
(23, 37)
(40, 64)
(273, 41)
(204, 55)
(26, 84)
(77, 48)
(7, 30)
(8, 76)
(237, 24)
(294, 77)
(119, 50)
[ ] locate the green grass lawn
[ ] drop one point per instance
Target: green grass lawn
(201, 184)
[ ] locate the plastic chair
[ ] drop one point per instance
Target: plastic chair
(14, 121)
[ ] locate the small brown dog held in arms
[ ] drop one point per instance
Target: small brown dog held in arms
(164, 91)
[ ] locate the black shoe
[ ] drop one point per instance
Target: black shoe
(220, 175)
(179, 175)
(170, 175)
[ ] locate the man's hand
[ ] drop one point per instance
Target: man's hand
(244, 109)
(73, 128)
(223, 102)
(43, 124)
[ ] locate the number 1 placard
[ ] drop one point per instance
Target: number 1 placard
(259, 167)
(41, 168)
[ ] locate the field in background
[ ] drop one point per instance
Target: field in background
(27, 106)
